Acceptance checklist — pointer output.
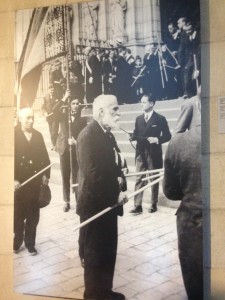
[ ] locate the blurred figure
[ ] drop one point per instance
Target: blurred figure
(137, 75)
(53, 124)
(182, 181)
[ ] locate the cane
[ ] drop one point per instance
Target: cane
(104, 211)
(144, 172)
(35, 175)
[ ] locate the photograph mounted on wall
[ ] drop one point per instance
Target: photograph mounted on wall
(108, 132)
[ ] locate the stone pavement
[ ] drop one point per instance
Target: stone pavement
(147, 262)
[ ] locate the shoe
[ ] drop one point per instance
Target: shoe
(66, 207)
(16, 250)
(152, 209)
(137, 210)
(32, 251)
(114, 296)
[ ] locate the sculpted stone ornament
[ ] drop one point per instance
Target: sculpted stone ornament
(90, 20)
(118, 17)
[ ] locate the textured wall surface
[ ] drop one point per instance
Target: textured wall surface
(213, 162)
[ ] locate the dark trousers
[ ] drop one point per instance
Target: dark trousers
(100, 247)
(26, 218)
(66, 173)
(189, 83)
(53, 126)
(190, 245)
(143, 163)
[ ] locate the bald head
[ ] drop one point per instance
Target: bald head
(105, 111)
(26, 118)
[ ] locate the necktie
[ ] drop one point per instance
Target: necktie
(146, 118)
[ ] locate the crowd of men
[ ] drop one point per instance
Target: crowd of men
(168, 69)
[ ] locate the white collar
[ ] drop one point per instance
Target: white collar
(149, 114)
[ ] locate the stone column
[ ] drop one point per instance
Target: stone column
(151, 21)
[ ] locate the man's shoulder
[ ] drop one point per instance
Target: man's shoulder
(140, 117)
(189, 102)
(88, 130)
(37, 133)
(158, 116)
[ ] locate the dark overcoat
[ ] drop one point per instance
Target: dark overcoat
(182, 181)
(98, 171)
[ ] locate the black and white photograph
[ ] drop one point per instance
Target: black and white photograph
(107, 168)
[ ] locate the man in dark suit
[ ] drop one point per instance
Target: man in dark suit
(100, 183)
(53, 124)
(64, 140)
(123, 77)
(152, 81)
(182, 181)
(109, 74)
(151, 131)
(55, 77)
(189, 59)
(31, 157)
(93, 75)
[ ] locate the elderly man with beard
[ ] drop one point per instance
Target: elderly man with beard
(100, 183)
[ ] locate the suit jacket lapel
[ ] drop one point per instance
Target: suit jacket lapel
(151, 121)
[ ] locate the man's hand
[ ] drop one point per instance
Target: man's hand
(153, 140)
(90, 80)
(125, 171)
(16, 185)
(45, 180)
(130, 136)
(72, 141)
(66, 96)
(122, 199)
(196, 74)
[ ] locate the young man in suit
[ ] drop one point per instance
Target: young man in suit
(100, 182)
(151, 131)
(63, 141)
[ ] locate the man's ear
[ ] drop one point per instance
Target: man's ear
(101, 112)
(152, 104)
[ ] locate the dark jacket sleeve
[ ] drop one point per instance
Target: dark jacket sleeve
(44, 157)
(185, 118)
(171, 181)
(165, 132)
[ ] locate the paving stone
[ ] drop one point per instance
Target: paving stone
(52, 291)
(27, 277)
(31, 286)
(151, 294)
(72, 284)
